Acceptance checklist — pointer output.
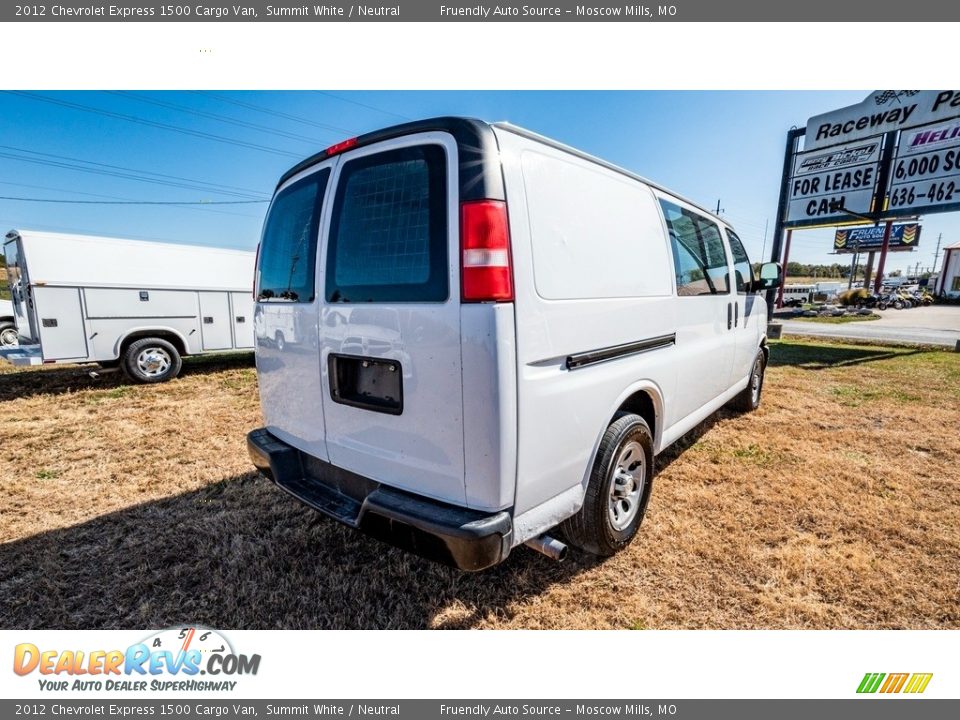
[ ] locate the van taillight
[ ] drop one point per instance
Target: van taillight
(485, 245)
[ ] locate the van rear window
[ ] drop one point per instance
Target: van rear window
(288, 249)
(388, 232)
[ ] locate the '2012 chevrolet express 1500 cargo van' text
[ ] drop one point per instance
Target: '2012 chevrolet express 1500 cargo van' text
(496, 335)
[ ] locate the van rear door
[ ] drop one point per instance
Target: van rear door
(286, 316)
(389, 361)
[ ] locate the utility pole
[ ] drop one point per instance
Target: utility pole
(719, 209)
(936, 253)
(763, 250)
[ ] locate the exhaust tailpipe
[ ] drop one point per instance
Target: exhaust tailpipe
(546, 545)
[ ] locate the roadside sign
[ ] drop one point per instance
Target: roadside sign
(903, 237)
(895, 155)
(925, 176)
(834, 183)
(880, 112)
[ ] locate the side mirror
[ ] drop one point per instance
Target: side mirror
(770, 277)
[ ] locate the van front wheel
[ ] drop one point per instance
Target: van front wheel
(619, 489)
(749, 398)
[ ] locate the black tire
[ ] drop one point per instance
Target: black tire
(749, 398)
(151, 360)
(280, 341)
(8, 334)
(593, 529)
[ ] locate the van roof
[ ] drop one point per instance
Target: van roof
(480, 176)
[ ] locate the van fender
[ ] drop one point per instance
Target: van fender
(656, 395)
(146, 331)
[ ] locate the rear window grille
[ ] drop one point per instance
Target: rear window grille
(388, 239)
(385, 226)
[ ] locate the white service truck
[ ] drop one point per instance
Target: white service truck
(138, 304)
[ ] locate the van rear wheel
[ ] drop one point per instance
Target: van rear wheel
(151, 360)
(618, 491)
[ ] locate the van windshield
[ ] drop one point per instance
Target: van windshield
(288, 249)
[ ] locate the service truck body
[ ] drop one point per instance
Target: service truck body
(80, 299)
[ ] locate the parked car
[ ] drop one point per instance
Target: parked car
(137, 304)
(508, 331)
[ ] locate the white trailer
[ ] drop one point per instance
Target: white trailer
(138, 304)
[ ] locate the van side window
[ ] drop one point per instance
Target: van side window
(388, 233)
(699, 260)
(742, 271)
(288, 249)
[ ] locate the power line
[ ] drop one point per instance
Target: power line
(152, 123)
(215, 116)
(363, 105)
(134, 202)
(275, 113)
(115, 197)
(128, 173)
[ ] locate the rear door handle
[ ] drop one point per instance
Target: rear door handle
(729, 316)
(736, 314)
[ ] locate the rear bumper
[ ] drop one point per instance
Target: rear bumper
(453, 535)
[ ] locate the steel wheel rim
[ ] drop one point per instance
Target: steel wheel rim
(8, 337)
(627, 479)
(154, 361)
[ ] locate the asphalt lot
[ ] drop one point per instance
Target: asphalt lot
(934, 325)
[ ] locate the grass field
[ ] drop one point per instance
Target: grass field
(836, 505)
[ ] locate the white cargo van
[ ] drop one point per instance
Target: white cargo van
(499, 334)
(138, 304)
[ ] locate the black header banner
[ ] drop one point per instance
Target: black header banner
(465, 11)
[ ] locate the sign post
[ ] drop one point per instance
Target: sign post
(883, 257)
(793, 142)
(786, 262)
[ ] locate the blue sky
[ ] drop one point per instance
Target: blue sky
(705, 145)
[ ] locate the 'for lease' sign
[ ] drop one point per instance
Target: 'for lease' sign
(834, 183)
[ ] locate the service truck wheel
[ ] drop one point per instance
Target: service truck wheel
(749, 398)
(8, 334)
(151, 360)
(619, 489)
(280, 341)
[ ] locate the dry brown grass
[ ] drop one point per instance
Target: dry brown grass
(837, 505)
